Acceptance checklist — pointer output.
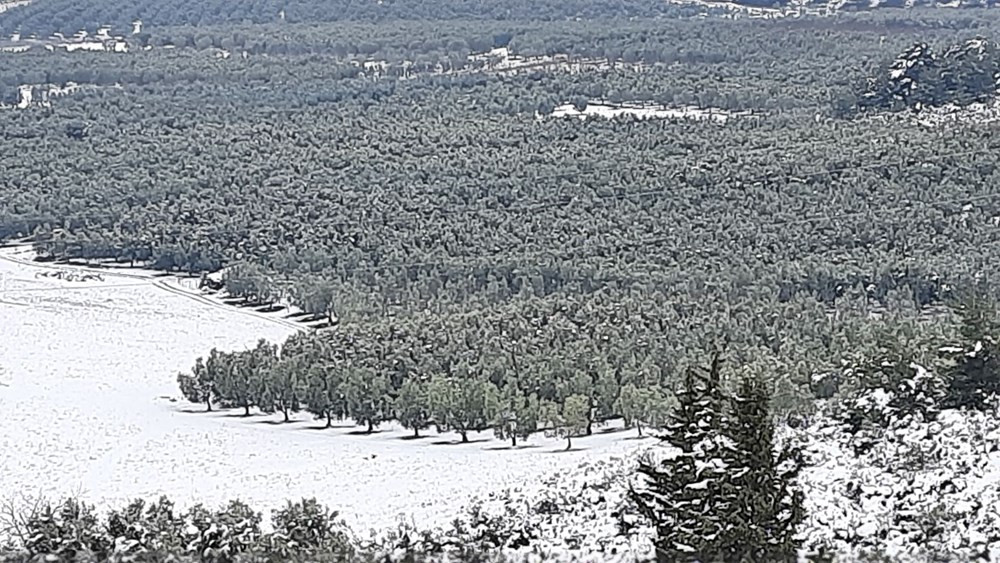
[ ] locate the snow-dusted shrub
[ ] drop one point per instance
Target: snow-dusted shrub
(889, 392)
(221, 536)
(919, 491)
(143, 527)
(974, 374)
(308, 527)
(70, 531)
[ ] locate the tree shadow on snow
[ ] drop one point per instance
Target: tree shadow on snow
(565, 451)
(613, 430)
(364, 432)
(509, 448)
(643, 437)
(458, 442)
(277, 422)
(298, 315)
(411, 437)
(270, 309)
(334, 426)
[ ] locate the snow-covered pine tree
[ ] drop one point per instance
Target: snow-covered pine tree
(691, 495)
(722, 494)
(771, 509)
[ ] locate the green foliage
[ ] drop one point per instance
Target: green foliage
(413, 406)
(639, 406)
(566, 420)
(462, 403)
(973, 370)
(68, 531)
(281, 387)
(515, 414)
(200, 386)
(723, 493)
(964, 74)
(324, 394)
(308, 528)
(367, 395)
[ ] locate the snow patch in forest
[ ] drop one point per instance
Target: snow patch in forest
(90, 407)
(645, 111)
(4, 6)
(41, 95)
(978, 113)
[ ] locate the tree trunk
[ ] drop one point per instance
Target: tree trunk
(513, 440)
(569, 442)
(590, 427)
(208, 403)
(371, 427)
(284, 410)
(246, 409)
(639, 426)
(465, 436)
(416, 432)
(329, 419)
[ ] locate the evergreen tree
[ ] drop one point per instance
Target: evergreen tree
(324, 393)
(198, 387)
(367, 394)
(516, 415)
(412, 406)
(771, 509)
(282, 387)
(721, 494)
(691, 495)
(462, 403)
(974, 373)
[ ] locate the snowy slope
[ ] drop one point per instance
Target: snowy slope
(89, 372)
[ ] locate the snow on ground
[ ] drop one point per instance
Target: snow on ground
(88, 372)
(642, 111)
(921, 491)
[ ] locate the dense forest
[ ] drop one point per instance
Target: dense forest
(479, 260)
(448, 207)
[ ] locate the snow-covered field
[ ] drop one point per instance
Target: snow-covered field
(87, 388)
(644, 111)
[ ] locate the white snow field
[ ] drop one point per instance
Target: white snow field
(87, 392)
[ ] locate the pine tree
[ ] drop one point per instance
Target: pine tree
(722, 494)
(771, 509)
(690, 496)
(412, 406)
(974, 373)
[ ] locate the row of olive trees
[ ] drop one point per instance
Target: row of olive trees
(297, 378)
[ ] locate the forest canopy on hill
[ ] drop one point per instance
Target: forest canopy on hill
(409, 191)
